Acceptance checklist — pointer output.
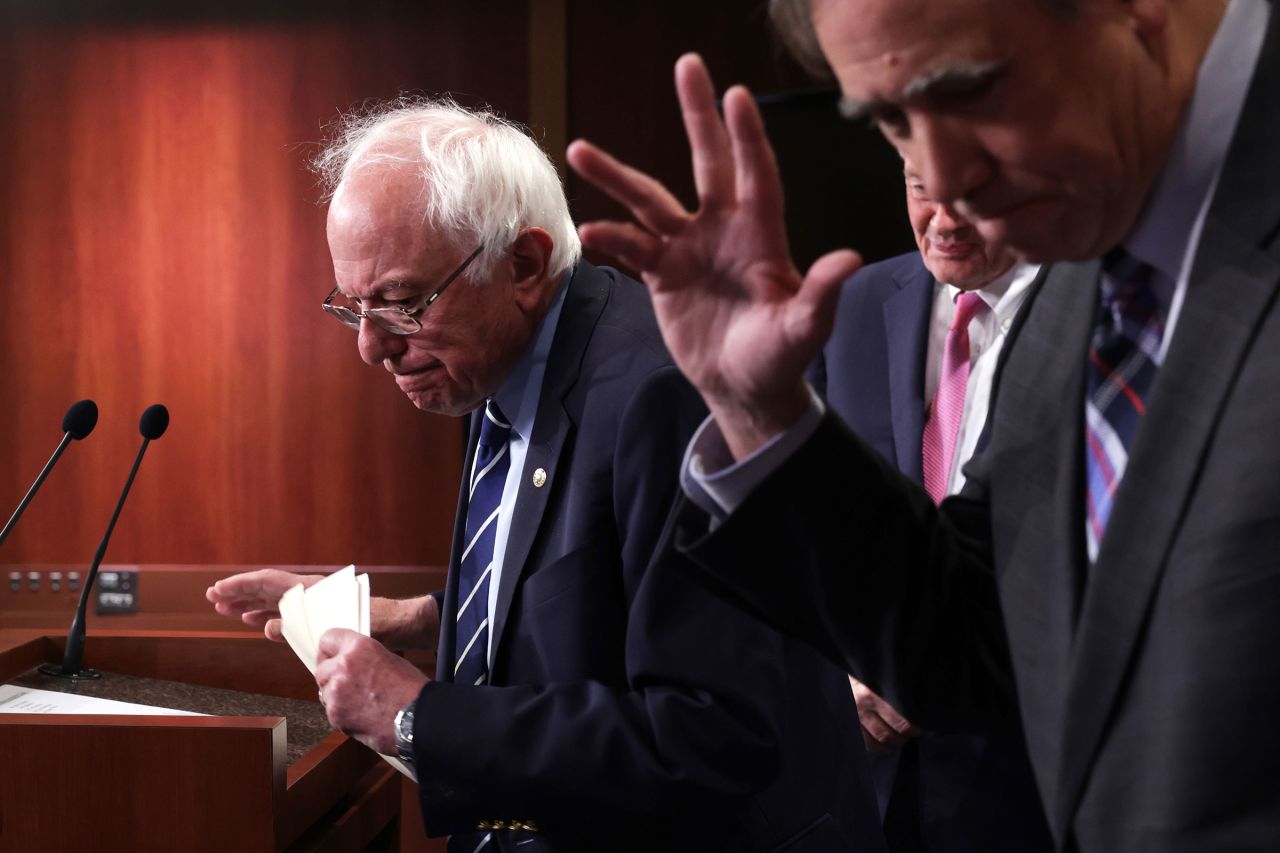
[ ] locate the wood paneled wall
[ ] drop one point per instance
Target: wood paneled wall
(160, 241)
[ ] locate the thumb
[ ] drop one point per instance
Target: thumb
(333, 641)
(821, 283)
(814, 305)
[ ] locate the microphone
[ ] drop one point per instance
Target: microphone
(155, 420)
(78, 422)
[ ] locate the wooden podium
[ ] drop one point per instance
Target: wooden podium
(209, 783)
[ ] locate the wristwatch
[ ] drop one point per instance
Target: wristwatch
(404, 733)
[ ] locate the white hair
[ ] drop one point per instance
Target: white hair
(483, 178)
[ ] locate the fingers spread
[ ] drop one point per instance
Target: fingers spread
(708, 140)
(649, 201)
(756, 169)
(631, 245)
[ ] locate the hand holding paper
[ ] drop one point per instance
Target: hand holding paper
(340, 600)
(363, 684)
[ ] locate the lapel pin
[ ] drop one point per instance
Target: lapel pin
(539, 478)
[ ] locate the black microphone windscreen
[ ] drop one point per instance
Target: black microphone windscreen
(155, 420)
(80, 419)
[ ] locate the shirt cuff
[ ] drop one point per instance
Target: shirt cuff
(717, 484)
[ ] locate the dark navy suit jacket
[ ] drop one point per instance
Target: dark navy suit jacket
(629, 709)
(956, 792)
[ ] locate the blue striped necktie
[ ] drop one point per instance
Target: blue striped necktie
(488, 477)
(1124, 355)
(475, 572)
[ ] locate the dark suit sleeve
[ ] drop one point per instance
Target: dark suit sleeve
(693, 724)
(817, 373)
(841, 550)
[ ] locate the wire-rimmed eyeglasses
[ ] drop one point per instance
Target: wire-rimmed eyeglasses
(396, 319)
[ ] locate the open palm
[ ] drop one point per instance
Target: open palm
(739, 319)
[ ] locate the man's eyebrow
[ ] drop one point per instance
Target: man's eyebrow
(956, 77)
(381, 289)
(397, 284)
(854, 109)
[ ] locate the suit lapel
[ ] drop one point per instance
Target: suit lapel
(906, 319)
(585, 300)
(1231, 289)
(1033, 466)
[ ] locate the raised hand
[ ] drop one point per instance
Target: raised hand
(739, 319)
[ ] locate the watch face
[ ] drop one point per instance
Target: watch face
(406, 726)
(404, 733)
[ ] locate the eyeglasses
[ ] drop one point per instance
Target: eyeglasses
(396, 319)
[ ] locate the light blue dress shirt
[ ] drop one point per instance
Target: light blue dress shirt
(518, 399)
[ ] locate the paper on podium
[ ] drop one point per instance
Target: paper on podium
(30, 700)
(340, 600)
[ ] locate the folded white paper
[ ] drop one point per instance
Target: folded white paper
(341, 600)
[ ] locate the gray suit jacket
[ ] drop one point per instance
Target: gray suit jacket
(1150, 684)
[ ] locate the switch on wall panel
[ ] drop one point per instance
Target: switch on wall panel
(117, 592)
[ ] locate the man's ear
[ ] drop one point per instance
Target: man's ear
(530, 260)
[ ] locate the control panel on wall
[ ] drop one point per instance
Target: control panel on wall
(116, 590)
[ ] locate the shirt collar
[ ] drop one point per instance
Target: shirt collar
(1163, 234)
(1005, 293)
(518, 396)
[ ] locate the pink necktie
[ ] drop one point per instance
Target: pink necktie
(947, 410)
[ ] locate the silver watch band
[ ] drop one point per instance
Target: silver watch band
(404, 732)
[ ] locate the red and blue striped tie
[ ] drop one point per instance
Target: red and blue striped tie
(1124, 355)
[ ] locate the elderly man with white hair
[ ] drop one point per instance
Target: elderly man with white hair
(587, 695)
